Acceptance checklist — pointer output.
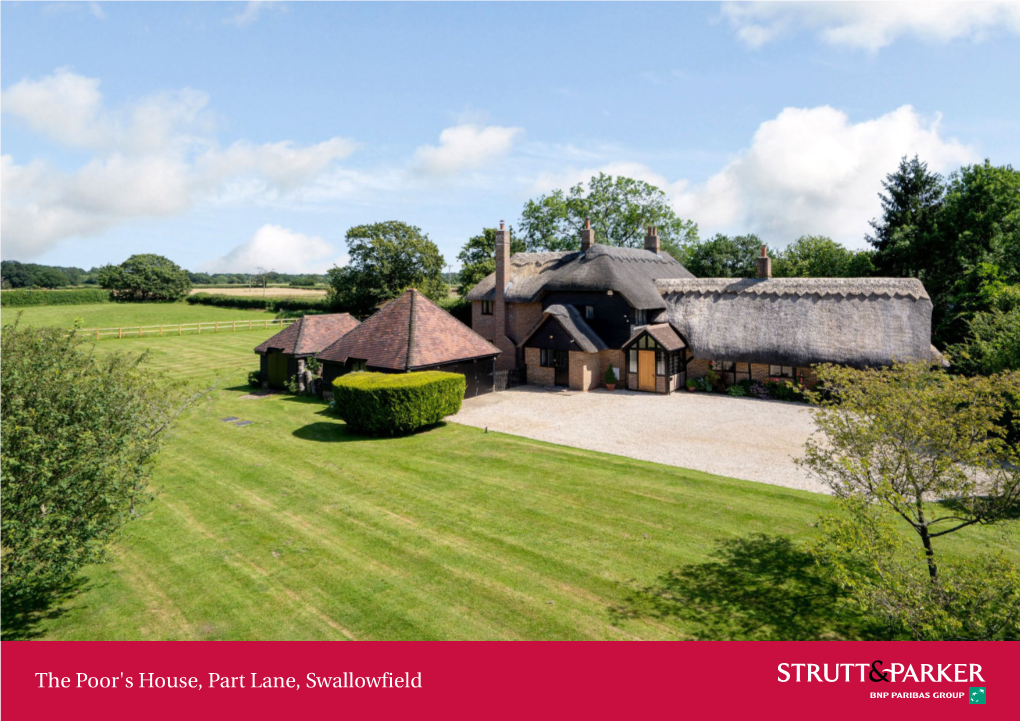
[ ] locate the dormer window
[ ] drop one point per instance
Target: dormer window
(486, 307)
(640, 317)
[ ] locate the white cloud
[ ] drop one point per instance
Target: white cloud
(251, 13)
(464, 147)
(813, 171)
(871, 25)
(154, 157)
(280, 249)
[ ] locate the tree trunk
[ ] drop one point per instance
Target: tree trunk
(929, 552)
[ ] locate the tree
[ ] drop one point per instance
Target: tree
(50, 278)
(815, 256)
(992, 342)
(929, 446)
(145, 277)
(80, 433)
(975, 598)
(906, 231)
(478, 257)
(723, 256)
(620, 209)
(385, 260)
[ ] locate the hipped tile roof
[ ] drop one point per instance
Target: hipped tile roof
(409, 332)
(310, 334)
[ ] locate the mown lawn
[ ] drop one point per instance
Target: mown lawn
(114, 315)
(292, 528)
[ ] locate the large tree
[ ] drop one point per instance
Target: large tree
(146, 277)
(80, 433)
(815, 256)
(619, 208)
(723, 256)
(903, 236)
(385, 260)
(478, 257)
(930, 446)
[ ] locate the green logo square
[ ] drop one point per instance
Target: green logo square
(977, 694)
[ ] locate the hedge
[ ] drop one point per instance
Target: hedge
(459, 307)
(76, 296)
(271, 304)
(386, 404)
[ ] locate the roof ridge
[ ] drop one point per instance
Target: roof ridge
(410, 329)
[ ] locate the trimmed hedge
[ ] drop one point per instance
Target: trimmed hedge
(271, 304)
(76, 296)
(387, 404)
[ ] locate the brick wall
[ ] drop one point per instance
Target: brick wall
(697, 368)
(521, 317)
(537, 375)
(584, 371)
(616, 359)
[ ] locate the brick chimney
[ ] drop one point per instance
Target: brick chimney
(502, 278)
(587, 236)
(764, 264)
(652, 240)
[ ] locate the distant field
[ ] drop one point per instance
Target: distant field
(260, 293)
(112, 315)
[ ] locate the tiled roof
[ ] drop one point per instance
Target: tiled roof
(661, 332)
(310, 334)
(575, 326)
(409, 332)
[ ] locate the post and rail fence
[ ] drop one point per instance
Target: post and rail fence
(219, 326)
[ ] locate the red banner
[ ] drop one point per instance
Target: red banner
(511, 680)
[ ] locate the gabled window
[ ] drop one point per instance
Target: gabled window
(486, 307)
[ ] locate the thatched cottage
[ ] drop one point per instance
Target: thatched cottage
(569, 316)
(285, 354)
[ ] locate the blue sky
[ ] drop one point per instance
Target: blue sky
(229, 135)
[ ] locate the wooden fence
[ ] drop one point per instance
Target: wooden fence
(219, 326)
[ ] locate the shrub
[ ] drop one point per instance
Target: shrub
(275, 305)
(610, 377)
(692, 384)
(385, 404)
(80, 296)
(255, 379)
(703, 384)
(737, 391)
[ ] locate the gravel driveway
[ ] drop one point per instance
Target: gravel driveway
(739, 437)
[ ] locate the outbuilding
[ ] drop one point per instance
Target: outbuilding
(411, 333)
(285, 354)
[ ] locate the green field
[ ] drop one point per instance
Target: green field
(291, 528)
(113, 315)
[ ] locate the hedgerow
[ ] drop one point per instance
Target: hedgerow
(275, 305)
(77, 296)
(386, 404)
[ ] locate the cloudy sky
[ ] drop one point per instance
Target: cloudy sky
(231, 135)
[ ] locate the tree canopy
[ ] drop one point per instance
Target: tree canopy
(385, 260)
(80, 433)
(145, 277)
(723, 256)
(619, 208)
(816, 256)
(478, 257)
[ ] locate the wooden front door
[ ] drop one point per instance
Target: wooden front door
(561, 362)
(277, 370)
(646, 370)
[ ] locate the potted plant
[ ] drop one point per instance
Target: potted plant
(691, 386)
(610, 379)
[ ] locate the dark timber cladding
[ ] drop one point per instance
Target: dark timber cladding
(411, 333)
(283, 355)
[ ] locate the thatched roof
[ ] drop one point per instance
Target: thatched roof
(799, 321)
(631, 272)
(309, 335)
(575, 326)
(409, 332)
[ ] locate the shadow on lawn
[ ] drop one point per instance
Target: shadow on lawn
(22, 614)
(336, 431)
(760, 588)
